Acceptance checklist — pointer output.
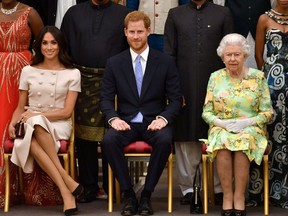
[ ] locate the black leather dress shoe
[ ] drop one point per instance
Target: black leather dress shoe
(218, 199)
(87, 197)
(130, 207)
(185, 200)
(145, 207)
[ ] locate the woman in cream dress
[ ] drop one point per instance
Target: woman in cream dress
(48, 92)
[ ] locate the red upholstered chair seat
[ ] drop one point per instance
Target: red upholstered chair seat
(138, 147)
(9, 144)
(137, 150)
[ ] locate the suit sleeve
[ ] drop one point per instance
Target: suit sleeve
(173, 92)
(228, 25)
(108, 93)
(170, 36)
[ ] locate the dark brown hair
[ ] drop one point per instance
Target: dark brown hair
(63, 55)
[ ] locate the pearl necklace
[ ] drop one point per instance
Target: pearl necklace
(279, 20)
(9, 11)
(279, 14)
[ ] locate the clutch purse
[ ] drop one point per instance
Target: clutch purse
(19, 130)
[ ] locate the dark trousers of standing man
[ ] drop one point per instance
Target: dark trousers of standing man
(88, 161)
(113, 145)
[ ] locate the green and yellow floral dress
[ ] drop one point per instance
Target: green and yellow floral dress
(230, 98)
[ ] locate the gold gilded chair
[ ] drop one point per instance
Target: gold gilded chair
(208, 174)
(66, 151)
(139, 150)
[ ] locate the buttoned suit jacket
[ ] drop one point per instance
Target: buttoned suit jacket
(160, 84)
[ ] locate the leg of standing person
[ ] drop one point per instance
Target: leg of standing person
(87, 154)
(188, 155)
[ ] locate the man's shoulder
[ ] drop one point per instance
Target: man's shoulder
(77, 8)
(120, 7)
(179, 8)
(120, 56)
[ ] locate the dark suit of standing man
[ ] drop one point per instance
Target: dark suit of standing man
(193, 44)
(94, 31)
(160, 83)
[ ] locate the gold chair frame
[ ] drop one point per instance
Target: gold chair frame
(209, 174)
(69, 166)
(117, 186)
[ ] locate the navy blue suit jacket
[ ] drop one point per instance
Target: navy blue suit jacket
(160, 84)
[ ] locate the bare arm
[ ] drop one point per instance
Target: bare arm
(35, 22)
(260, 40)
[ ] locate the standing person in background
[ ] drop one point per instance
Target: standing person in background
(19, 23)
(272, 31)
(62, 7)
(157, 12)
(46, 9)
(193, 44)
(51, 11)
(92, 39)
(245, 15)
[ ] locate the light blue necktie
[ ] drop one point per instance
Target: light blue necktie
(138, 74)
(139, 79)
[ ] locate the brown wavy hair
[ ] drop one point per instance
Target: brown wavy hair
(63, 55)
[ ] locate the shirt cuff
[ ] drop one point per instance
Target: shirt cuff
(161, 117)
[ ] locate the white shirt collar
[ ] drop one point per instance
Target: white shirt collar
(144, 54)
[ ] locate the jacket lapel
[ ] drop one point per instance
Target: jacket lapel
(151, 67)
(129, 73)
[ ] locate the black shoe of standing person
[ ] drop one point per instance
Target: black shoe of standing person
(185, 200)
(218, 198)
(145, 207)
(87, 197)
(130, 206)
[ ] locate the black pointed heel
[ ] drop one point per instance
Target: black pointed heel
(71, 211)
(78, 192)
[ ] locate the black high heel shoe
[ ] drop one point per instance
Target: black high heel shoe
(71, 211)
(240, 212)
(79, 192)
(227, 212)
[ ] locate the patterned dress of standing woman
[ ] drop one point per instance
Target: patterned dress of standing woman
(276, 71)
(14, 55)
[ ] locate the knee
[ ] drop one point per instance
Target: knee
(110, 140)
(164, 141)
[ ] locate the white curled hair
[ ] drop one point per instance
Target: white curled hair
(233, 39)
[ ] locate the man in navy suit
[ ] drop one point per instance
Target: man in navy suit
(148, 116)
